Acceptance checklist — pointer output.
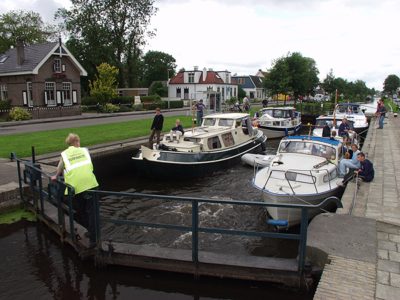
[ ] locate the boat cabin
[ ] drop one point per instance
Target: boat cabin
(327, 148)
(218, 131)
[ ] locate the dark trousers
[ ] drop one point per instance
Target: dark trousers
(157, 134)
(84, 206)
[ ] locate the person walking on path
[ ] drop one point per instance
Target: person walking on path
(156, 127)
(77, 167)
(199, 106)
(381, 113)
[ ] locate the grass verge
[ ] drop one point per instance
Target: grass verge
(53, 140)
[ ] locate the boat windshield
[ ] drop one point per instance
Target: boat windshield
(321, 123)
(209, 122)
(308, 147)
(226, 122)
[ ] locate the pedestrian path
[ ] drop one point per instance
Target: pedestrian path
(379, 201)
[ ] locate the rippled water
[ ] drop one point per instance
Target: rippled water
(35, 265)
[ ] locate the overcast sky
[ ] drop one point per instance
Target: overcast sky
(357, 39)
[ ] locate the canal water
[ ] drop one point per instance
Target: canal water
(36, 265)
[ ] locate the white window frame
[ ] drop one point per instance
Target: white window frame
(29, 97)
(57, 65)
(3, 92)
(66, 93)
(50, 93)
(191, 77)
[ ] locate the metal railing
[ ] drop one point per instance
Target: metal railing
(60, 196)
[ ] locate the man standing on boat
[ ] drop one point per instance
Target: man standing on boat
(199, 110)
(156, 127)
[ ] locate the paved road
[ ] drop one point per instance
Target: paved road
(79, 121)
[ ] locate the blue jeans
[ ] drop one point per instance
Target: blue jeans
(381, 119)
(199, 118)
(345, 164)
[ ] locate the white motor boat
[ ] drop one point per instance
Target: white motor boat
(334, 124)
(219, 142)
(304, 171)
(354, 113)
(277, 122)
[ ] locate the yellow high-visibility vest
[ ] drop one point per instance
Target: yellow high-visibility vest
(78, 169)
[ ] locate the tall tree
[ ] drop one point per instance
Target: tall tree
(292, 74)
(328, 84)
(26, 26)
(109, 31)
(158, 66)
(391, 84)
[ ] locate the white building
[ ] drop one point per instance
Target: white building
(214, 87)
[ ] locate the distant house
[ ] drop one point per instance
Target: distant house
(252, 85)
(44, 78)
(214, 87)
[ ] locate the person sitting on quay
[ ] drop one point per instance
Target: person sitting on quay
(365, 172)
(176, 131)
(353, 163)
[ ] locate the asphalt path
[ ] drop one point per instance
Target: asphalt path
(79, 121)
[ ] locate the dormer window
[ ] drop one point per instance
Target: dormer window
(3, 59)
(57, 65)
(191, 77)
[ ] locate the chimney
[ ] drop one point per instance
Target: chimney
(204, 74)
(196, 68)
(20, 52)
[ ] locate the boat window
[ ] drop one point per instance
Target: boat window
(299, 177)
(213, 143)
(278, 113)
(225, 122)
(209, 122)
(305, 147)
(277, 123)
(227, 139)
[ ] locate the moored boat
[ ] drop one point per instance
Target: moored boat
(304, 171)
(277, 122)
(218, 143)
(352, 112)
(334, 124)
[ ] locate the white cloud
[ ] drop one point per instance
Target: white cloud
(355, 38)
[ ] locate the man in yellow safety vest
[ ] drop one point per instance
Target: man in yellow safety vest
(77, 167)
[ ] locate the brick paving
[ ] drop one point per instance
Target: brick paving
(380, 201)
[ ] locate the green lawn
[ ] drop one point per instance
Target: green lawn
(53, 140)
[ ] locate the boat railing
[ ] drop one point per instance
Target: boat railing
(289, 177)
(52, 203)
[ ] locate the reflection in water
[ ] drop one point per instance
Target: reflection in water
(36, 266)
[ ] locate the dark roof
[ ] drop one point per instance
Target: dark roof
(34, 54)
(258, 82)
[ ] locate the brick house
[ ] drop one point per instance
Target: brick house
(44, 78)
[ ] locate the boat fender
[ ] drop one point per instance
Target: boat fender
(277, 222)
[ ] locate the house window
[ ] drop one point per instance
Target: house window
(3, 92)
(29, 93)
(186, 93)
(178, 92)
(57, 65)
(50, 93)
(66, 93)
(191, 77)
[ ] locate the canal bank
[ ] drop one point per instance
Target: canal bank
(359, 246)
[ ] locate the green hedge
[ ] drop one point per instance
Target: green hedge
(5, 104)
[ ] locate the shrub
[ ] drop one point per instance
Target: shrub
(89, 101)
(123, 100)
(137, 107)
(110, 108)
(19, 114)
(175, 104)
(4, 105)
